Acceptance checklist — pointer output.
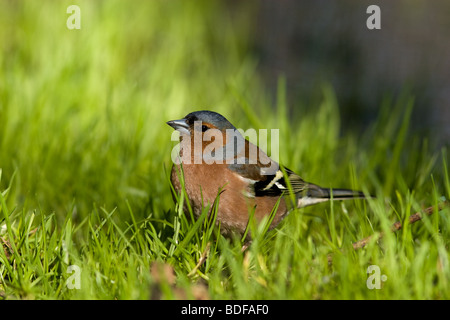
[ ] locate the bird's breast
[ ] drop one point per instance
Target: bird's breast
(204, 183)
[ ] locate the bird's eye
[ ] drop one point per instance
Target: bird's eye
(204, 128)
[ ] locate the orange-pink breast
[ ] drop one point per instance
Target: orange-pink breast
(203, 182)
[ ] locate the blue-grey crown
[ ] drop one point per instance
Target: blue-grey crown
(209, 117)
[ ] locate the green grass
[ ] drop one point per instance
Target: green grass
(85, 157)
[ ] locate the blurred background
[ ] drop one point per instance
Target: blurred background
(312, 42)
(83, 112)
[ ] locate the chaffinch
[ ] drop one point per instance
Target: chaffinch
(215, 158)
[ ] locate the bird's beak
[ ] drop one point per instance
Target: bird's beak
(181, 125)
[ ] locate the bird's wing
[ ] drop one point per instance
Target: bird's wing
(264, 175)
(276, 185)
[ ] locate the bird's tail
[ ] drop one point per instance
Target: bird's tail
(315, 194)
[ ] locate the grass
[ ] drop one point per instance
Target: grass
(85, 157)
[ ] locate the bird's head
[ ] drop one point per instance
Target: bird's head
(207, 129)
(201, 121)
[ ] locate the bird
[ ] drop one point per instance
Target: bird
(215, 162)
